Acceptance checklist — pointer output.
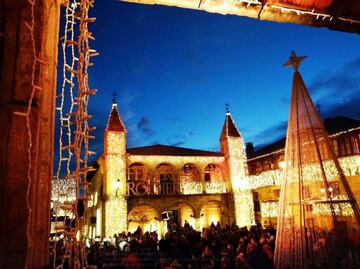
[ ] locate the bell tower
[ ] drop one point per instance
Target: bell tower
(115, 174)
(233, 148)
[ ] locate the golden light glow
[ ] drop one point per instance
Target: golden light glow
(270, 209)
(341, 209)
(282, 164)
(98, 222)
(350, 166)
(243, 200)
(245, 8)
(210, 213)
(215, 187)
(191, 187)
(115, 216)
(115, 176)
(186, 214)
(197, 187)
(198, 224)
(143, 216)
(178, 161)
(116, 164)
(161, 229)
(244, 208)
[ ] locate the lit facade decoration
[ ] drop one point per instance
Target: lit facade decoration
(270, 209)
(115, 175)
(232, 145)
(244, 208)
(177, 161)
(349, 164)
(341, 209)
(197, 187)
(215, 187)
(210, 214)
(184, 181)
(143, 216)
(115, 215)
(191, 187)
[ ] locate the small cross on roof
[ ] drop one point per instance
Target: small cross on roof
(227, 105)
(114, 97)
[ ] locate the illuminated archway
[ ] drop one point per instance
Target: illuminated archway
(144, 216)
(141, 177)
(210, 213)
(186, 214)
(190, 179)
(165, 179)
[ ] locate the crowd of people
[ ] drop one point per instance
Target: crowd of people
(227, 247)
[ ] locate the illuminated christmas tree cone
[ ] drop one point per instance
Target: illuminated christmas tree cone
(318, 213)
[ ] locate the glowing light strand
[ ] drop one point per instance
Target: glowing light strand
(282, 150)
(63, 204)
(74, 73)
(350, 166)
(116, 204)
(318, 15)
(33, 87)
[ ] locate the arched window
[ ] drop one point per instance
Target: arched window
(189, 173)
(212, 173)
(166, 178)
(137, 172)
(140, 176)
(190, 179)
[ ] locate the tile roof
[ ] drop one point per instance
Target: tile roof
(164, 150)
(229, 128)
(332, 125)
(114, 122)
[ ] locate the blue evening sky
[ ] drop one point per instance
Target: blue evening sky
(174, 69)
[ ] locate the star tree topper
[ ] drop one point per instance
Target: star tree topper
(294, 61)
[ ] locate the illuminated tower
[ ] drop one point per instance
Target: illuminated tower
(232, 146)
(115, 174)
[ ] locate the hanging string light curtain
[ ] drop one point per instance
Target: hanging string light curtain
(318, 215)
(70, 194)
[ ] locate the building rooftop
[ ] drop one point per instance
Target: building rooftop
(229, 128)
(332, 125)
(114, 122)
(164, 150)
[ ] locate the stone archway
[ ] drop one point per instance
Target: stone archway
(210, 213)
(27, 184)
(144, 216)
(186, 214)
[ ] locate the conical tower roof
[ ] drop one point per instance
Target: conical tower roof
(317, 210)
(114, 122)
(229, 128)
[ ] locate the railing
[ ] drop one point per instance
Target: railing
(140, 188)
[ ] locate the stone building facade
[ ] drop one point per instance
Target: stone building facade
(266, 167)
(142, 187)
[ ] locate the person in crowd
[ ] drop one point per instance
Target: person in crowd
(227, 247)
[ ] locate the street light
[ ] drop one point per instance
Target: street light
(282, 164)
(117, 185)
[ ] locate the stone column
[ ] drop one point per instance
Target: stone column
(24, 226)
